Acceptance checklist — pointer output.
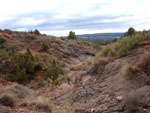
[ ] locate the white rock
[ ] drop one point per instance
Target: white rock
(119, 98)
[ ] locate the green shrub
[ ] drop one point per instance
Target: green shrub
(72, 35)
(44, 47)
(11, 48)
(22, 66)
(131, 31)
(104, 42)
(40, 83)
(122, 46)
(2, 40)
(63, 38)
(19, 76)
(3, 54)
(56, 82)
(106, 51)
(53, 70)
(37, 32)
(125, 44)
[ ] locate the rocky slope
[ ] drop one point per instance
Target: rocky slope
(59, 48)
(107, 92)
(70, 52)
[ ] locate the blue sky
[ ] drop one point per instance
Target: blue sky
(58, 17)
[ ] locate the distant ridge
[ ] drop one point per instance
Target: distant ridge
(100, 36)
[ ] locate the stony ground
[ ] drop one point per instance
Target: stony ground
(86, 92)
(104, 93)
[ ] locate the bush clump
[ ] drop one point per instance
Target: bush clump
(45, 47)
(22, 67)
(125, 44)
(132, 102)
(2, 40)
(53, 70)
(7, 100)
(129, 71)
(144, 63)
(122, 47)
(99, 65)
(72, 35)
(106, 51)
(40, 83)
(131, 31)
(37, 32)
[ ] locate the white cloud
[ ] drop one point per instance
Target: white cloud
(30, 21)
(135, 12)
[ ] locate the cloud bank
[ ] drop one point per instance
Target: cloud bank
(82, 16)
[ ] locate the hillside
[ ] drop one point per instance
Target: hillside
(42, 57)
(81, 77)
(100, 36)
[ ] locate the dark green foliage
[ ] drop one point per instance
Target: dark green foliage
(3, 54)
(44, 47)
(107, 51)
(4, 61)
(37, 32)
(40, 83)
(11, 48)
(104, 42)
(131, 31)
(63, 38)
(53, 70)
(71, 35)
(122, 46)
(126, 44)
(19, 76)
(2, 40)
(22, 66)
(6, 50)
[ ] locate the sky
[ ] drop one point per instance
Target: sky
(58, 17)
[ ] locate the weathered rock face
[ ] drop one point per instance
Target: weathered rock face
(106, 93)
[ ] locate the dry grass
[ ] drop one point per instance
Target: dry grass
(30, 36)
(144, 63)
(39, 103)
(99, 65)
(106, 51)
(129, 71)
(19, 96)
(132, 102)
(7, 100)
(67, 109)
